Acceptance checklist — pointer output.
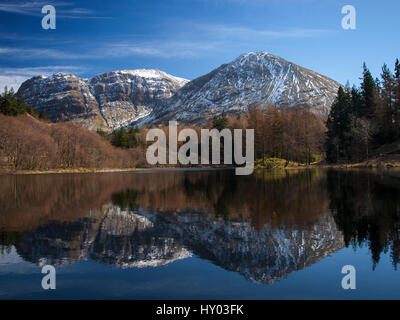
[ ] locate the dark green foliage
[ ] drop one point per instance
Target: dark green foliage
(365, 208)
(123, 139)
(127, 200)
(338, 124)
(363, 119)
(220, 122)
(132, 139)
(11, 105)
(396, 102)
(368, 94)
(8, 240)
(119, 138)
(397, 69)
(101, 133)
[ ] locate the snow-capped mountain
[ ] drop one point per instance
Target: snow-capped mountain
(134, 97)
(254, 78)
(106, 101)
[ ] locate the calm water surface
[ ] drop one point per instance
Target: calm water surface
(187, 234)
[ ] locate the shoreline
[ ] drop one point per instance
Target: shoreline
(372, 164)
(103, 170)
(74, 170)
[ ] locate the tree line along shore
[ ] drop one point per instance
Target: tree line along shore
(362, 130)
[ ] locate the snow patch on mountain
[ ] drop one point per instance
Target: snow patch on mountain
(255, 78)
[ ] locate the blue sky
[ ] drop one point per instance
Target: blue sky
(188, 38)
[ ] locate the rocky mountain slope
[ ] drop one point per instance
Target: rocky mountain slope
(107, 101)
(127, 96)
(146, 96)
(63, 97)
(254, 78)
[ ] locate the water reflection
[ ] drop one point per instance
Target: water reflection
(366, 207)
(263, 227)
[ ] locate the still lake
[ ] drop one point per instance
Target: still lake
(201, 234)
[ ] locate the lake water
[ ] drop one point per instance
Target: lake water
(201, 234)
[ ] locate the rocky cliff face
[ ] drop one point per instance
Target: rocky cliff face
(107, 101)
(127, 96)
(64, 97)
(256, 78)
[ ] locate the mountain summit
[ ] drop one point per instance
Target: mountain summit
(129, 97)
(253, 78)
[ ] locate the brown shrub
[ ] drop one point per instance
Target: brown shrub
(28, 144)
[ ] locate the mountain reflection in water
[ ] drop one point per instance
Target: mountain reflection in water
(263, 226)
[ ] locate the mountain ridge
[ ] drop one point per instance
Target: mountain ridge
(124, 98)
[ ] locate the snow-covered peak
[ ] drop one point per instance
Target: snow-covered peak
(63, 75)
(253, 78)
(255, 54)
(149, 74)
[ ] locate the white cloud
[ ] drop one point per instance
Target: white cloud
(166, 48)
(39, 53)
(25, 8)
(63, 9)
(13, 77)
(193, 40)
(204, 38)
(244, 33)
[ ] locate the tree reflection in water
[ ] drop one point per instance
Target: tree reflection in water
(262, 226)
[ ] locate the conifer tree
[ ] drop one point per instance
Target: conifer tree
(220, 122)
(123, 138)
(11, 105)
(132, 140)
(396, 103)
(387, 86)
(383, 117)
(356, 100)
(338, 125)
(368, 93)
(397, 69)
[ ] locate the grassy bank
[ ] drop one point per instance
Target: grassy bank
(383, 162)
(4, 171)
(72, 170)
(386, 156)
(277, 163)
